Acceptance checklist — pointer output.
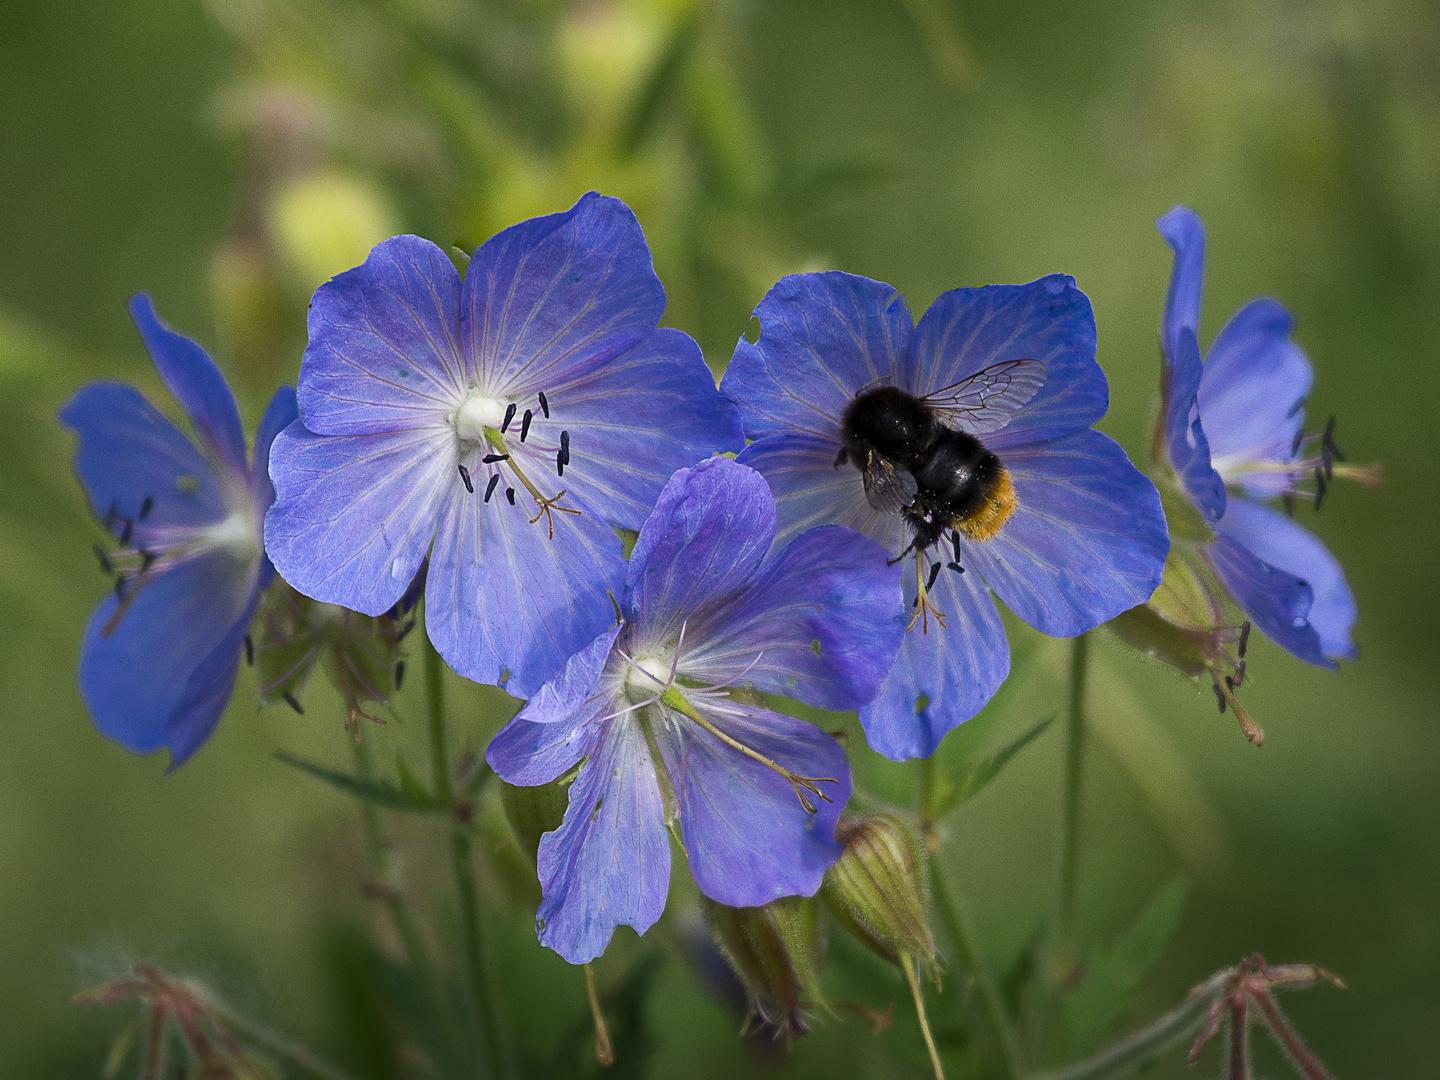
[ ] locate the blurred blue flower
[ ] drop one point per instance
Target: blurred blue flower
(643, 712)
(160, 655)
(1236, 421)
(1075, 533)
(433, 408)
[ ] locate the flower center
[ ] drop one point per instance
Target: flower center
(477, 413)
(645, 678)
(236, 535)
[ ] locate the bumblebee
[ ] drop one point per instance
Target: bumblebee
(921, 457)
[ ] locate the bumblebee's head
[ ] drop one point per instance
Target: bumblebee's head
(894, 422)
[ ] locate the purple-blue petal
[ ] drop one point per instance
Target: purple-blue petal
(564, 695)
(943, 676)
(279, 414)
(354, 515)
(1186, 236)
(196, 383)
(505, 602)
(134, 679)
(549, 299)
(710, 529)
(1278, 603)
(128, 452)
(528, 754)
(1087, 540)
(207, 692)
(1278, 541)
(824, 619)
(966, 331)
(1185, 440)
(810, 490)
(823, 338)
(638, 418)
(747, 837)
(609, 863)
(384, 347)
(1253, 391)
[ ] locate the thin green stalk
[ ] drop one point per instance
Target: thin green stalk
(994, 1023)
(907, 965)
(463, 864)
(405, 924)
(1070, 810)
(281, 1046)
(1144, 1046)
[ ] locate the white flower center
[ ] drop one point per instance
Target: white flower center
(646, 677)
(477, 413)
(236, 535)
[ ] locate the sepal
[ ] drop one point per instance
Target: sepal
(776, 950)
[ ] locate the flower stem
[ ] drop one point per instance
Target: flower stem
(462, 862)
(405, 924)
(1144, 1046)
(604, 1051)
(907, 964)
(994, 1024)
(1070, 811)
(282, 1046)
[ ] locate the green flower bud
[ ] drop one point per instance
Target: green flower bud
(776, 950)
(878, 888)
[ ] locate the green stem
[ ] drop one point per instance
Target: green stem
(1144, 1046)
(281, 1046)
(462, 862)
(994, 1023)
(405, 924)
(1070, 810)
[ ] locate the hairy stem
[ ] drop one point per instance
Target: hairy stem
(404, 922)
(604, 1051)
(1070, 810)
(907, 964)
(1144, 1046)
(994, 1023)
(462, 862)
(282, 1046)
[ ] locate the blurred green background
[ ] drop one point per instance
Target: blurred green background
(228, 157)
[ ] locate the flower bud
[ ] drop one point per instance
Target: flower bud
(776, 950)
(878, 888)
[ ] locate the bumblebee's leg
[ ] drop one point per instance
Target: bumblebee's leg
(842, 457)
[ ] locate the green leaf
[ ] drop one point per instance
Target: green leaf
(410, 784)
(379, 792)
(1115, 974)
(954, 786)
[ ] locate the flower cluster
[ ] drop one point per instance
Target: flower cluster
(487, 434)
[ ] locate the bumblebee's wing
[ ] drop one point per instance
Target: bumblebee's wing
(987, 400)
(888, 487)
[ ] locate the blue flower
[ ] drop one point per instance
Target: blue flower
(642, 711)
(1071, 534)
(512, 419)
(160, 655)
(1234, 435)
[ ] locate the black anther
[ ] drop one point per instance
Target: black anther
(1319, 487)
(465, 475)
(565, 446)
(1219, 697)
(125, 532)
(1289, 502)
(147, 558)
(544, 405)
(509, 415)
(510, 495)
(1295, 442)
(490, 487)
(490, 459)
(525, 424)
(934, 573)
(400, 665)
(1244, 637)
(110, 516)
(955, 540)
(1230, 683)
(104, 559)
(404, 630)
(1239, 674)
(559, 462)
(1299, 404)
(146, 507)
(290, 700)
(249, 650)
(955, 566)
(120, 589)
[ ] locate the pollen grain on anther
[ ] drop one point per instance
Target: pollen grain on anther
(465, 476)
